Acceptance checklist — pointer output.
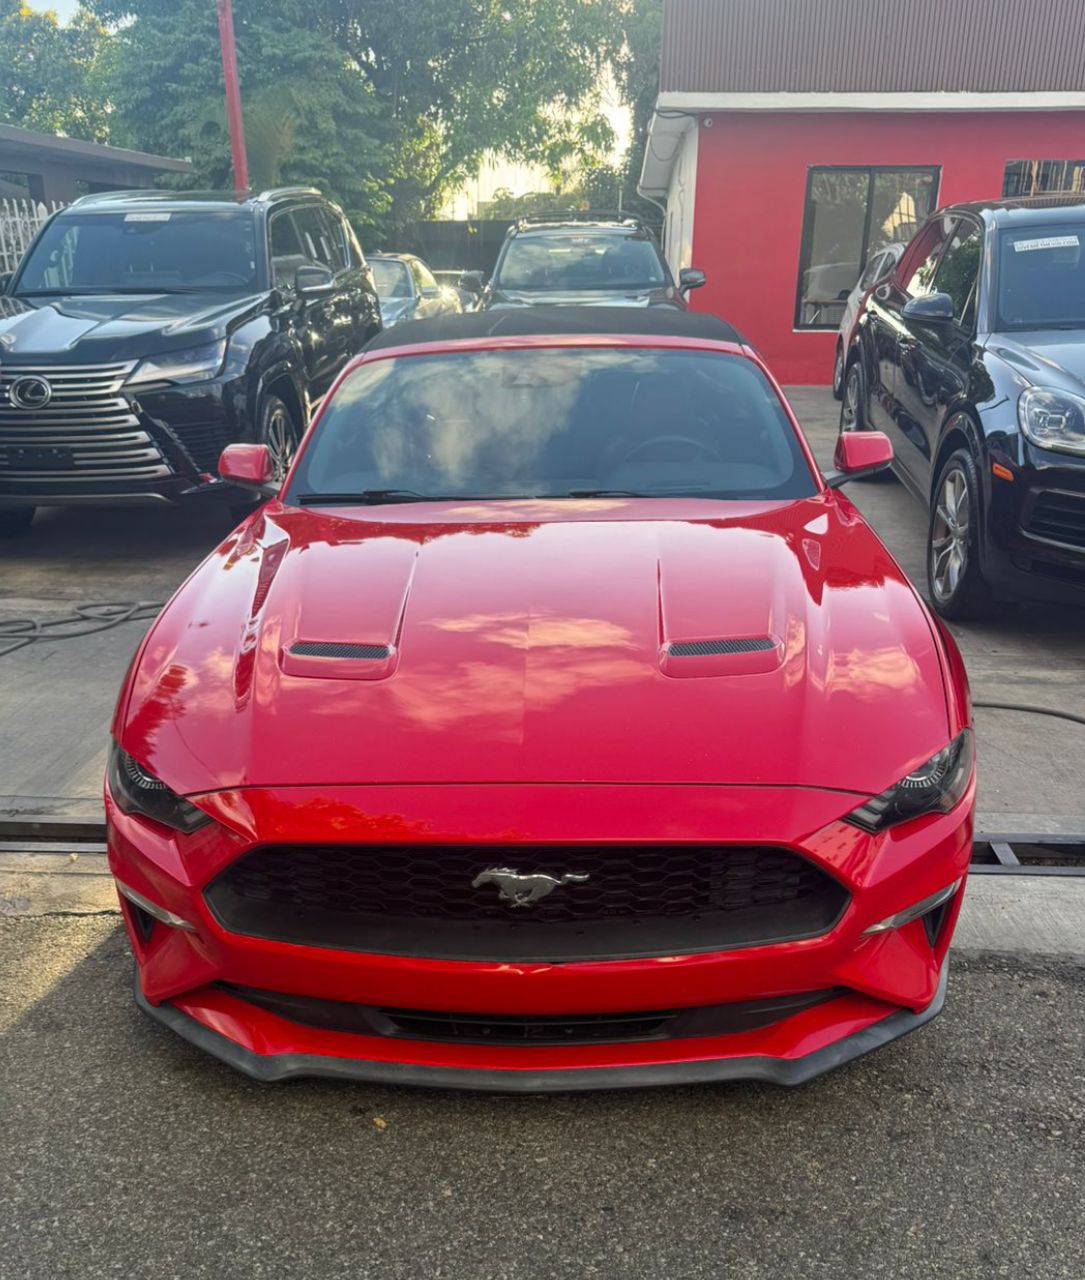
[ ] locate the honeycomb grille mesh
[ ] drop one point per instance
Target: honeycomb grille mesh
(709, 648)
(326, 649)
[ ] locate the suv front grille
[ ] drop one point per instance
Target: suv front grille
(421, 900)
(1058, 516)
(87, 431)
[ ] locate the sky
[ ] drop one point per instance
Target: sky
(62, 8)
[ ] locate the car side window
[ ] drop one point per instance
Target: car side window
(287, 253)
(333, 239)
(874, 271)
(314, 236)
(958, 272)
(920, 279)
(424, 276)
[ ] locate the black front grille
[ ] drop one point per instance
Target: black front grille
(423, 899)
(204, 443)
(532, 1028)
(710, 648)
(1058, 516)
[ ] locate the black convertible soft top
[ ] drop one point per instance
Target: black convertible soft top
(519, 322)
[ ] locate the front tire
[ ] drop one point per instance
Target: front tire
(838, 373)
(16, 520)
(853, 399)
(277, 429)
(955, 578)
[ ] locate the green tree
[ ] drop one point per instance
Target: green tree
(48, 72)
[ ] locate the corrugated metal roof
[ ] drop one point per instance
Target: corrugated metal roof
(879, 46)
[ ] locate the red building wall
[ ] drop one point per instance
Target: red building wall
(751, 186)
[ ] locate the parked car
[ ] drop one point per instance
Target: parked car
(451, 280)
(971, 357)
(555, 726)
(581, 260)
(144, 331)
(881, 262)
(408, 290)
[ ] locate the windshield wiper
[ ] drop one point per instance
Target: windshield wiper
(671, 491)
(363, 496)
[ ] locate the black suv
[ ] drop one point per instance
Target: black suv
(589, 259)
(144, 331)
(971, 356)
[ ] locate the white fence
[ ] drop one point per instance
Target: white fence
(19, 222)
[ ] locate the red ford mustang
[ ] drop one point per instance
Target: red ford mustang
(557, 726)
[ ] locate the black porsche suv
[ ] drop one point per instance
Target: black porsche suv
(144, 331)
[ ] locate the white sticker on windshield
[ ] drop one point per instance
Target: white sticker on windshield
(1046, 242)
(165, 217)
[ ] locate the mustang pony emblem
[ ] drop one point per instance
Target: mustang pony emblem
(523, 890)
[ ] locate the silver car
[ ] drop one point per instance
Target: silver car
(408, 290)
(881, 262)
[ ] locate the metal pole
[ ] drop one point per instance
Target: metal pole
(233, 96)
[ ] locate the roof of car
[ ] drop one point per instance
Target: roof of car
(517, 322)
(1021, 209)
(191, 199)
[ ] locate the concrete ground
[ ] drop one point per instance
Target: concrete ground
(957, 1153)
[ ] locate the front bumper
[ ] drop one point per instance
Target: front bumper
(881, 985)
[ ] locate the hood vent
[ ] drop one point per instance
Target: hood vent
(330, 649)
(713, 648)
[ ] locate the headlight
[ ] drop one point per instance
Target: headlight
(194, 365)
(137, 791)
(1053, 419)
(933, 788)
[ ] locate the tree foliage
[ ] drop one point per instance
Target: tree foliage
(48, 73)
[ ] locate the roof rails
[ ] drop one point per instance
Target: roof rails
(277, 193)
(581, 215)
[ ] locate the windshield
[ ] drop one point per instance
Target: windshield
(1041, 278)
(556, 423)
(151, 252)
(560, 261)
(391, 278)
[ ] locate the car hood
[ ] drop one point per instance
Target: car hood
(107, 327)
(529, 642)
(585, 298)
(1046, 357)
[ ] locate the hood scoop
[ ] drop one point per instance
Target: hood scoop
(339, 660)
(722, 656)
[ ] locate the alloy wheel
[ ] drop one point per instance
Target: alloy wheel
(849, 410)
(279, 438)
(950, 534)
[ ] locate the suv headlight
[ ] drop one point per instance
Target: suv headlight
(1053, 419)
(194, 365)
(934, 787)
(138, 791)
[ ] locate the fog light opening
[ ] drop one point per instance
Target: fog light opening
(153, 909)
(917, 910)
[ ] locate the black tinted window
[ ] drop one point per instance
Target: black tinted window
(1041, 278)
(546, 422)
(314, 236)
(144, 250)
(920, 278)
(958, 272)
(391, 277)
(571, 260)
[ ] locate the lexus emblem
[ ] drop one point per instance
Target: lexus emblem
(521, 890)
(30, 392)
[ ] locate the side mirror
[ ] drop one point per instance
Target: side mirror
(250, 467)
(472, 281)
(691, 278)
(859, 453)
(313, 282)
(934, 308)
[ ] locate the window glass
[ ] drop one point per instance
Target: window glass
(286, 251)
(874, 270)
(144, 250)
(1040, 177)
(544, 422)
(391, 278)
(850, 215)
(332, 238)
(314, 236)
(1041, 277)
(923, 259)
(958, 272)
(560, 260)
(424, 276)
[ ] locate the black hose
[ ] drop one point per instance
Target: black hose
(84, 620)
(1031, 710)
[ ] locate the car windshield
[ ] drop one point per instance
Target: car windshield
(148, 251)
(391, 278)
(1041, 278)
(555, 422)
(559, 261)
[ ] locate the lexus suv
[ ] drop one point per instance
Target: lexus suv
(144, 331)
(602, 260)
